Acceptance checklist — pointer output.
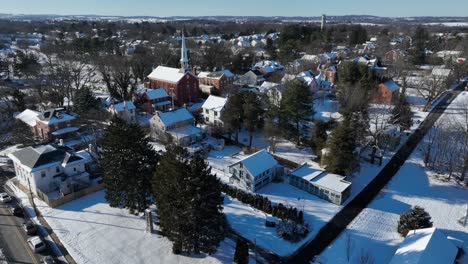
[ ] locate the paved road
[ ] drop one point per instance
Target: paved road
(12, 237)
(340, 221)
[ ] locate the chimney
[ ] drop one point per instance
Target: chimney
(61, 142)
(90, 148)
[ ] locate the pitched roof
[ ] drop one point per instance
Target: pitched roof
(428, 246)
(39, 156)
(214, 103)
(156, 93)
(390, 84)
(322, 178)
(53, 116)
(121, 106)
(167, 74)
(28, 116)
(258, 162)
(171, 117)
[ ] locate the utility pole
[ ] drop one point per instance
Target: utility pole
(31, 197)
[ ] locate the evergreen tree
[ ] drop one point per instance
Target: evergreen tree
(232, 115)
(189, 202)
(420, 38)
(22, 134)
(415, 218)
(252, 113)
(402, 114)
(320, 136)
(128, 163)
(84, 100)
(341, 157)
(241, 255)
(358, 35)
(296, 107)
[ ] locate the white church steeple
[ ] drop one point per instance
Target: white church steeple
(184, 61)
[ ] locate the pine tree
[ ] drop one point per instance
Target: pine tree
(189, 202)
(415, 218)
(296, 107)
(232, 115)
(84, 100)
(402, 114)
(252, 113)
(341, 156)
(241, 255)
(128, 162)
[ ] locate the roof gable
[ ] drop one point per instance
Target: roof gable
(172, 117)
(214, 103)
(168, 74)
(259, 162)
(156, 93)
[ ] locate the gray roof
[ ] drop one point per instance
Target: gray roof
(43, 155)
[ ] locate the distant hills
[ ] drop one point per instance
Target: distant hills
(366, 19)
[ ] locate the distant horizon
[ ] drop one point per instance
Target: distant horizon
(242, 8)
(201, 16)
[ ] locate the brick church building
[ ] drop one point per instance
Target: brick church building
(181, 84)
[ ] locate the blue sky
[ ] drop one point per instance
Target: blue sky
(393, 8)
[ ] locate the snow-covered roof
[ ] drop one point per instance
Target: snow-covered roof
(168, 74)
(185, 131)
(428, 246)
(65, 130)
(156, 93)
(203, 74)
(441, 72)
(121, 106)
(214, 103)
(171, 117)
(258, 162)
(54, 116)
(322, 178)
(28, 116)
(390, 84)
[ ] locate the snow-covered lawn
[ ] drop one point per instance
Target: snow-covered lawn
(93, 232)
(326, 109)
(374, 230)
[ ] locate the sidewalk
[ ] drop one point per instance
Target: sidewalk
(46, 231)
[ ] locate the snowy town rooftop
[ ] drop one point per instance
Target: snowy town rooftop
(28, 116)
(156, 93)
(258, 162)
(428, 246)
(390, 84)
(120, 107)
(322, 178)
(171, 117)
(214, 103)
(53, 116)
(167, 74)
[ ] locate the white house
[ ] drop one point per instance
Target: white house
(425, 246)
(50, 168)
(256, 170)
(178, 124)
(212, 109)
(331, 187)
(125, 110)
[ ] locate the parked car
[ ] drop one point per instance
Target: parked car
(5, 198)
(17, 211)
(36, 244)
(48, 260)
(30, 228)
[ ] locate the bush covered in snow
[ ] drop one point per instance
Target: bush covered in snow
(415, 218)
(292, 231)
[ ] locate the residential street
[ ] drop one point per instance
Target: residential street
(12, 237)
(341, 220)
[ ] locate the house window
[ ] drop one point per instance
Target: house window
(74, 169)
(57, 169)
(43, 174)
(207, 119)
(207, 111)
(215, 113)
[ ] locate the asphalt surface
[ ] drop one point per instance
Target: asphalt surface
(12, 237)
(340, 221)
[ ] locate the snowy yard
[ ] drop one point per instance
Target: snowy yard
(374, 230)
(93, 232)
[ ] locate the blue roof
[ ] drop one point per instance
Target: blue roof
(392, 85)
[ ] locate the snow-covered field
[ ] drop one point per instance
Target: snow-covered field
(374, 230)
(93, 232)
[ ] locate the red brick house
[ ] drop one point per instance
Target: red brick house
(386, 93)
(51, 124)
(221, 80)
(330, 73)
(153, 100)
